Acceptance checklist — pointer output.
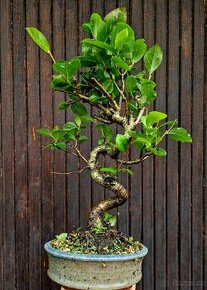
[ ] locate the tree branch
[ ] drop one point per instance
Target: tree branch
(71, 172)
(137, 161)
(114, 104)
(79, 153)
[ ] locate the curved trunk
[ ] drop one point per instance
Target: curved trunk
(121, 194)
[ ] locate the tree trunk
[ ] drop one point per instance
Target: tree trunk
(109, 182)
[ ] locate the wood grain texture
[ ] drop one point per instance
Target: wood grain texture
(167, 209)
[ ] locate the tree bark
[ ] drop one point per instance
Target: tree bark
(109, 182)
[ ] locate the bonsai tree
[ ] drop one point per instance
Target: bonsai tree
(105, 77)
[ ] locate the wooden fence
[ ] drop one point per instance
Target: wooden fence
(167, 207)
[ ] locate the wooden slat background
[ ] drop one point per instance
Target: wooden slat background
(167, 209)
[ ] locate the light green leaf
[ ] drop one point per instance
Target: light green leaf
(120, 63)
(86, 27)
(38, 38)
(111, 169)
(44, 132)
(82, 138)
(99, 44)
(159, 152)
(139, 49)
(121, 39)
(153, 58)
(180, 134)
(126, 170)
(117, 15)
(122, 142)
(69, 126)
(60, 145)
(62, 237)
(155, 117)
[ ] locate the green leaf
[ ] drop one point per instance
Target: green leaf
(111, 169)
(153, 58)
(99, 44)
(79, 109)
(82, 138)
(121, 39)
(133, 106)
(122, 142)
(60, 67)
(139, 49)
(72, 68)
(69, 126)
(44, 132)
(126, 170)
(159, 152)
(117, 15)
(60, 145)
(38, 38)
(62, 237)
(58, 82)
(86, 27)
(131, 83)
(108, 86)
(180, 134)
(63, 105)
(94, 99)
(95, 21)
(77, 120)
(155, 117)
(111, 219)
(120, 63)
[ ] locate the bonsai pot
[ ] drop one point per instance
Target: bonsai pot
(95, 272)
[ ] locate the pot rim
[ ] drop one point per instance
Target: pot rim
(94, 257)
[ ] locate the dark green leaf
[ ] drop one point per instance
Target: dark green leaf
(38, 38)
(60, 145)
(72, 68)
(131, 83)
(58, 82)
(63, 106)
(86, 27)
(133, 106)
(153, 58)
(79, 109)
(122, 142)
(82, 138)
(180, 134)
(108, 86)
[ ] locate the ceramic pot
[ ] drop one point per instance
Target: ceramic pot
(95, 272)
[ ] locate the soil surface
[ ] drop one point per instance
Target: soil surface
(109, 242)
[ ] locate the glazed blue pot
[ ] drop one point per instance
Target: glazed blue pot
(95, 272)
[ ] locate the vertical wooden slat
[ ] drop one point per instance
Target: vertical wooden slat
(46, 122)
(85, 180)
(71, 42)
(185, 153)
(34, 155)
(148, 177)
(135, 205)
(205, 151)
(172, 147)
(123, 221)
(59, 185)
(20, 133)
(160, 163)
(9, 258)
(197, 150)
(97, 190)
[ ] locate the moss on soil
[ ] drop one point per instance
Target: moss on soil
(109, 242)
